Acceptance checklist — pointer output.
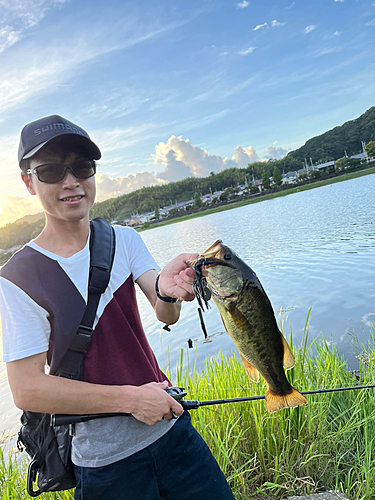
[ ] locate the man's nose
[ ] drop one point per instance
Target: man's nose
(70, 178)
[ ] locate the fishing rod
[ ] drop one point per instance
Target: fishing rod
(178, 393)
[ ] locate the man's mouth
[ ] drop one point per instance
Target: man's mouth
(72, 198)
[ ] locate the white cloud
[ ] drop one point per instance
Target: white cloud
(334, 35)
(327, 50)
(245, 52)
(179, 159)
(310, 28)
(275, 152)
(243, 5)
(243, 156)
(260, 26)
(265, 25)
(175, 169)
(18, 16)
(290, 6)
(17, 206)
(339, 0)
(276, 23)
(110, 188)
(8, 37)
(370, 23)
(199, 162)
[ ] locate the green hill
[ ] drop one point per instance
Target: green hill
(30, 218)
(332, 144)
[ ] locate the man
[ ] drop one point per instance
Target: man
(149, 455)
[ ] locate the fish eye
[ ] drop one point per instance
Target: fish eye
(227, 256)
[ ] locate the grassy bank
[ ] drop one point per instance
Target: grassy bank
(327, 444)
(295, 189)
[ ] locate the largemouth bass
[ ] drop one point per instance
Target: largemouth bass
(248, 318)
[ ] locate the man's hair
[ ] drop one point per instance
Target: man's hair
(60, 147)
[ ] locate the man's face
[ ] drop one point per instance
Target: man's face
(68, 200)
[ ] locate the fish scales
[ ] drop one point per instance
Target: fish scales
(248, 318)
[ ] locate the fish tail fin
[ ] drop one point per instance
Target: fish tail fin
(275, 402)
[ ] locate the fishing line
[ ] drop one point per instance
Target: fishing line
(192, 405)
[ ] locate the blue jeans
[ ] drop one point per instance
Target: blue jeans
(179, 466)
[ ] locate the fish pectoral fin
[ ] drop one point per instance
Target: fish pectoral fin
(288, 359)
(251, 371)
(239, 320)
(275, 402)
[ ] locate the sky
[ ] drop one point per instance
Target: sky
(174, 88)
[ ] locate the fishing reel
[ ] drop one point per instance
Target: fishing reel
(177, 393)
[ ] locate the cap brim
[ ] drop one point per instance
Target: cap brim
(91, 147)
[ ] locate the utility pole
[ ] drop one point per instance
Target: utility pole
(365, 155)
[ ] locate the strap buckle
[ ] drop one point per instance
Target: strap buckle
(81, 339)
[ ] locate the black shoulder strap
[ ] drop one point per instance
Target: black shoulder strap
(102, 250)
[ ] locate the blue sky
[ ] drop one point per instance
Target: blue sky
(171, 88)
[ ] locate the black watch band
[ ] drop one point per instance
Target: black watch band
(171, 300)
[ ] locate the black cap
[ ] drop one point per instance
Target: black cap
(37, 134)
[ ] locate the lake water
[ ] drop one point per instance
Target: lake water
(314, 248)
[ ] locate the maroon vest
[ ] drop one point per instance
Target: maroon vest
(119, 352)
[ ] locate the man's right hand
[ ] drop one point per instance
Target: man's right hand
(153, 403)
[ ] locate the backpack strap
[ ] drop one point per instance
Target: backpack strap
(102, 250)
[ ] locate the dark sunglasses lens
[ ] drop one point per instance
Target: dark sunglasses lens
(51, 173)
(55, 172)
(83, 169)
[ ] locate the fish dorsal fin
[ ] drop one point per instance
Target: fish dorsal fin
(251, 371)
(288, 359)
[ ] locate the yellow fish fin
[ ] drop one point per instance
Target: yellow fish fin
(275, 402)
(251, 371)
(288, 359)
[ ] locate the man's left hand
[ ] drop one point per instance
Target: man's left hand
(176, 279)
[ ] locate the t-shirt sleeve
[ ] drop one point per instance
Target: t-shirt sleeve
(25, 325)
(134, 250)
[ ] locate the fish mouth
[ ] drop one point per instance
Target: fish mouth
(201, 291)
(210, 257)
(213, 250)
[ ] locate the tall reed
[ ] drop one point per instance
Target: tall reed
(328, 444)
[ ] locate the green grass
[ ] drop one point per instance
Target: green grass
(328, 444)
(269, 196)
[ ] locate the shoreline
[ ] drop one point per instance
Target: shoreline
(263, 197)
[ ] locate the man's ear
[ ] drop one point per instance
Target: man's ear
(27, 179)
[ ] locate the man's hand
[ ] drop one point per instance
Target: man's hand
(176, 279)
(153, 403)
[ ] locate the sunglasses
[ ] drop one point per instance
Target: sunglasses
(55, 172)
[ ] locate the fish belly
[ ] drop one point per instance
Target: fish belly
(260, 343)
